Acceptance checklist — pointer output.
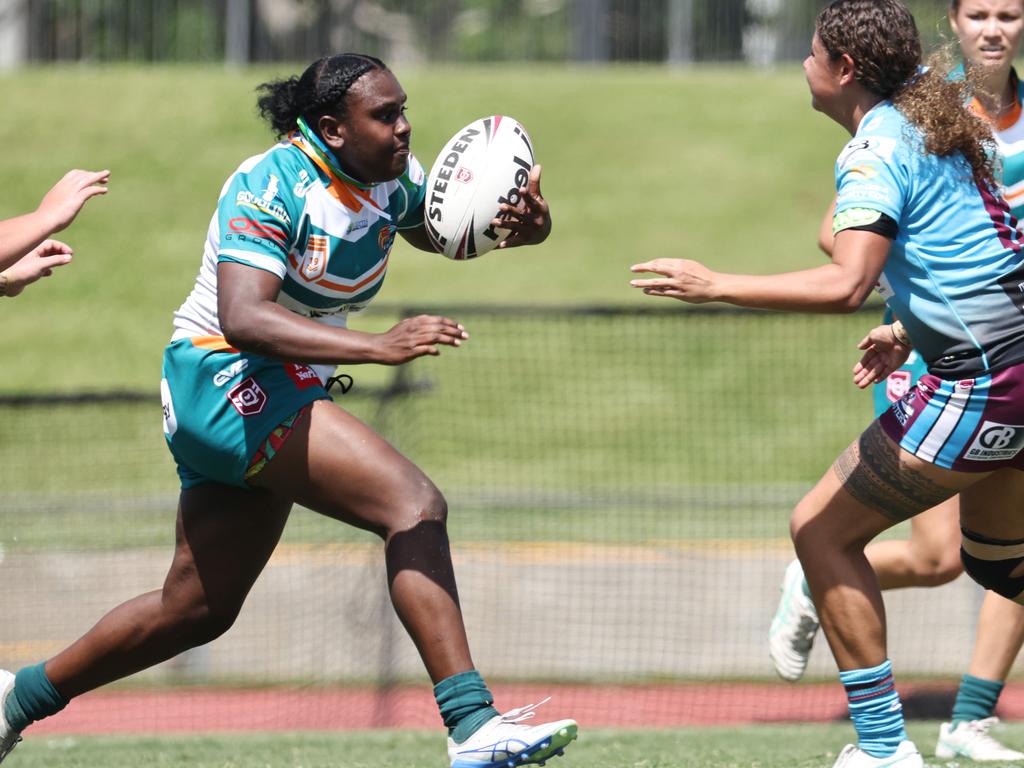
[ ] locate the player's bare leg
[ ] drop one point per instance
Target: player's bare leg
(225, 536)
(871, 487)
(336, 465)
(929, 558)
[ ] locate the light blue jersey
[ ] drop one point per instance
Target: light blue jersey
(955, 272)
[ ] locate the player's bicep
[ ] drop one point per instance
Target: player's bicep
(242, 293)
(862, 255)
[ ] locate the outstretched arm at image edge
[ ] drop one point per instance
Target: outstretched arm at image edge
(56, 211)
(841, 286)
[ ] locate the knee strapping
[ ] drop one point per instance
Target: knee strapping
(991, 563)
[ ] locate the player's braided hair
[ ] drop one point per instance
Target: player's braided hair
(881, 38)
(321, 89)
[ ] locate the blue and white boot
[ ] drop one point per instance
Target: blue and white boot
(9, 738)
(502, 742)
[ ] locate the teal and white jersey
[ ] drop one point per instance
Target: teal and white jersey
(327, 238)
(955, 272)
(1009, 135)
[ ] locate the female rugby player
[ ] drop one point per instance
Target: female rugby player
(989, 33)
(301, 237)
(917, 177)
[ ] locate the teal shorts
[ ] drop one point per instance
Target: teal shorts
(220, 406)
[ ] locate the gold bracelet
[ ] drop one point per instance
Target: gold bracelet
(900, 334)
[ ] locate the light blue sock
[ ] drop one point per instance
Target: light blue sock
(875, 708)
(33, 698)
(976, 699)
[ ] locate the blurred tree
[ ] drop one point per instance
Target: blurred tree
(434, 22)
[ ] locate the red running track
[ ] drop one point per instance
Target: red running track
(653, 706)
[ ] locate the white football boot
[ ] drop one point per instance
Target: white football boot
(906, 756)
(794, 626)
(9, 738)
(972, 740)
(502, 742)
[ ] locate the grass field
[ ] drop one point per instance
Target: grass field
(724, 165)
(796, 746)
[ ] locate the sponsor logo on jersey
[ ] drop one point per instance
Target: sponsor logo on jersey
(246, 199)
(355, 226)
(273, 183)
(257, 231)
(903, 408)
(386, 238)
(897, 385)
(248, 397)
(303, 376)
(863, 192)
(222, 377)
(314, 259)
(996, 442)
(866, 150)
(170, 420)
(303, 184)
(964, 385)
(863, 171)
(883, 287)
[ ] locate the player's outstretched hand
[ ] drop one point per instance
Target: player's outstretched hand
(883, 354)
(681, 279)
(37, 263)
(417, 336)
(529, 220)
(63, 202)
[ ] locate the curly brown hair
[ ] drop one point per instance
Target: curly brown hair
(881, 38)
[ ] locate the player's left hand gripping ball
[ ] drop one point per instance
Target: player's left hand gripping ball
(529, 221)
(681, 279)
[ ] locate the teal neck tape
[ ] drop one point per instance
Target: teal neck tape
(324, 153)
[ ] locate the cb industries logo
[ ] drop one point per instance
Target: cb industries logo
(248, 397)
(996, 442)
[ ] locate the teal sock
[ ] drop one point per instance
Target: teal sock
(33, 698)
(976, 699)
(875, 708)
(465, 704)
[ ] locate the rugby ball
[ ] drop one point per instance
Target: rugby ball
(482, 166)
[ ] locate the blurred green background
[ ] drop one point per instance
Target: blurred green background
(726, 165)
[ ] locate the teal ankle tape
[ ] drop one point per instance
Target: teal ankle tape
(32, 699)
(465, 703)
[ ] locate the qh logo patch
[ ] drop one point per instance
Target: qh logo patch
(996, 442)
(314, 260)
(248, 397)
(897, 385)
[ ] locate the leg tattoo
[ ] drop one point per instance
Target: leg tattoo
(871, 472)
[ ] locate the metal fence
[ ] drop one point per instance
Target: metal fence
(678, 32)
